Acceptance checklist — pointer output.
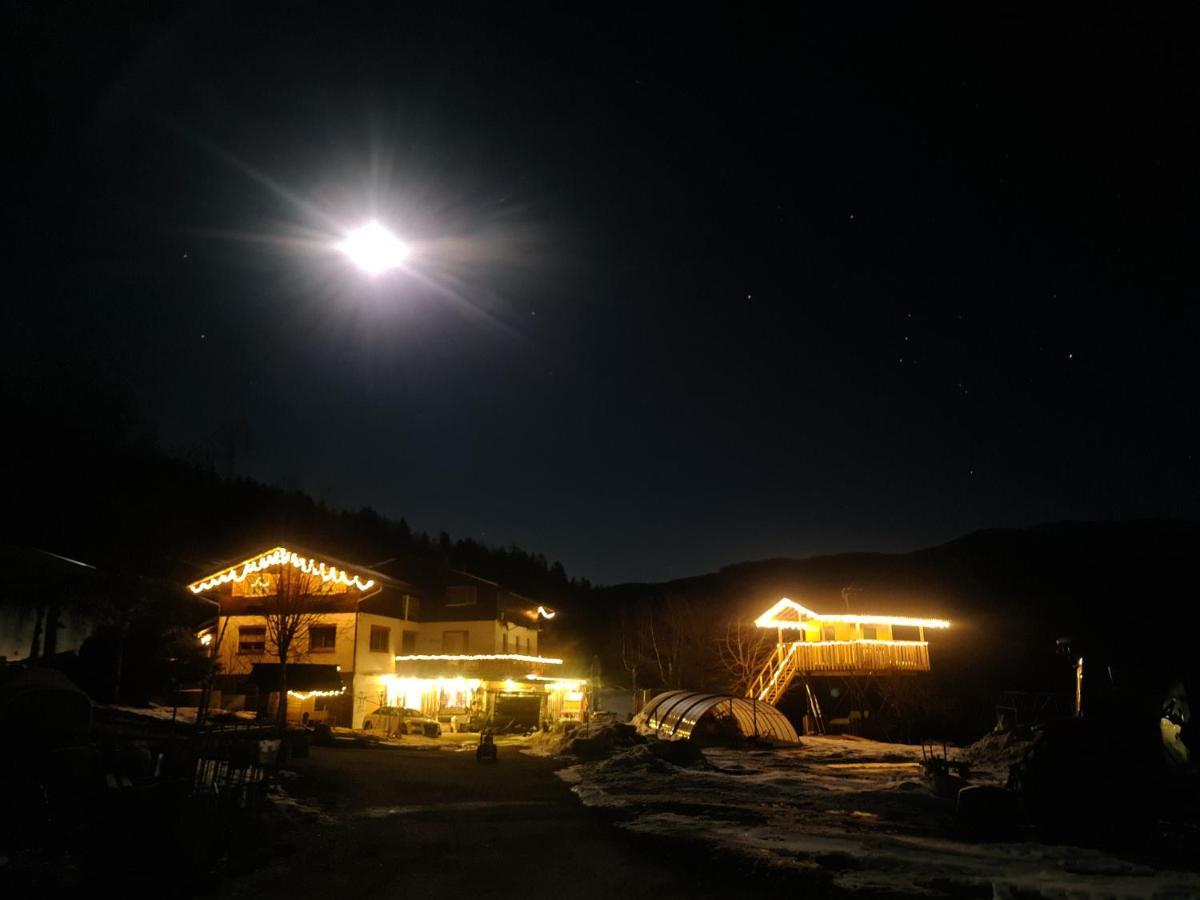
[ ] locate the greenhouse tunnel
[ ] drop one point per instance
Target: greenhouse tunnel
(673, 715)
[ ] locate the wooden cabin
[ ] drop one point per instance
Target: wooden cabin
(839, 644)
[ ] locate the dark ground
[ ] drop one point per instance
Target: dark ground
(410, 823)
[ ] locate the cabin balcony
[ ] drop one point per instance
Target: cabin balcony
(858, 657)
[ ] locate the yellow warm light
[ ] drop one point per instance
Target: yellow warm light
(804, 616)
(410, 692)
(308, 695)
(462, 657)
(779, 670)
(280, 556)
(206, 639)
(879, 641)
(546, 613)
(556, 684)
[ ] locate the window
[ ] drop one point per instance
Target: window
(408, 642)
(454, 641)
(870, 632)
(252, 639)
(381, 639)
(518, 643)
(504, 643)
(827, 633)
(322, 638)
(460, 595)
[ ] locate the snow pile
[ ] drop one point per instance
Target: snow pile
(654, 755)
(991, 756)
(591, 743)
(550, 743)
(179, 714)
(849, 814)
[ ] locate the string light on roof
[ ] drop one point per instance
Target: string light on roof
(280, 556)
(773, 618)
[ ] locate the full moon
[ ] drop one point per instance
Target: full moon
(374, 249)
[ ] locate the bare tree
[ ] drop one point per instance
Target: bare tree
(674, 642)
(289, 612)
(743, 649)
(632, 652)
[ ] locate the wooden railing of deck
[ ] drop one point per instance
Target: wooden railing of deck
(836, 658)
(862, 656)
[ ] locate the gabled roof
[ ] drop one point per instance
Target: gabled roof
(326, 567)
(790, 614)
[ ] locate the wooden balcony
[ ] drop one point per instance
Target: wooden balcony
(836, 658)
(859, 657)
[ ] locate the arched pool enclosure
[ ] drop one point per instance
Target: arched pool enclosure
(673, 715)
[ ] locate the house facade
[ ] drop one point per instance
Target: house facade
(361, 638)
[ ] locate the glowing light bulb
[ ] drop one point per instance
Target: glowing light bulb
(374, 249)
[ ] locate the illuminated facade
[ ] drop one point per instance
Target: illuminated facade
(467, 655)
(838, 644)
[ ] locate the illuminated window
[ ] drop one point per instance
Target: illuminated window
(870, 632)
(322, 638)
(252, 639)
(381, 639)
(408, 642)
(504, 643)
(827, 633)
(454, 641)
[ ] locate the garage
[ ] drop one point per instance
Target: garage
(520, 709)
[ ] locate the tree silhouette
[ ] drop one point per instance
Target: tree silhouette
(288, 612)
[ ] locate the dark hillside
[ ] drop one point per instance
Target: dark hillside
(1009, 594)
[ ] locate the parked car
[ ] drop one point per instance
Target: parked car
(460, 720)
(398, 720)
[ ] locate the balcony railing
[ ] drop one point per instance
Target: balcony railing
(836, 658)
(862, 656)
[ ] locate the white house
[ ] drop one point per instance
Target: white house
(364, 638)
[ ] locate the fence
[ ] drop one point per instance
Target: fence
(234, 759)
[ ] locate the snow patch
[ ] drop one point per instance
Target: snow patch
(855, 815)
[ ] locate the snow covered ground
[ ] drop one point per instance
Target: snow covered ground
(856, 815)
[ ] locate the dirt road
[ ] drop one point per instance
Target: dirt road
(408, 823)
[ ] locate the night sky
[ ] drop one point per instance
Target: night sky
(685, 289)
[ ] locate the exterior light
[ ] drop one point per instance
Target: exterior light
(277, 557)
(374, 249)
(544, 613)
(308, 695)
(462, 657)
(771, 618)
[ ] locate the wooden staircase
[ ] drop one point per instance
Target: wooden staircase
(776, 676)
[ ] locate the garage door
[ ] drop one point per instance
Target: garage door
(524, 709)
